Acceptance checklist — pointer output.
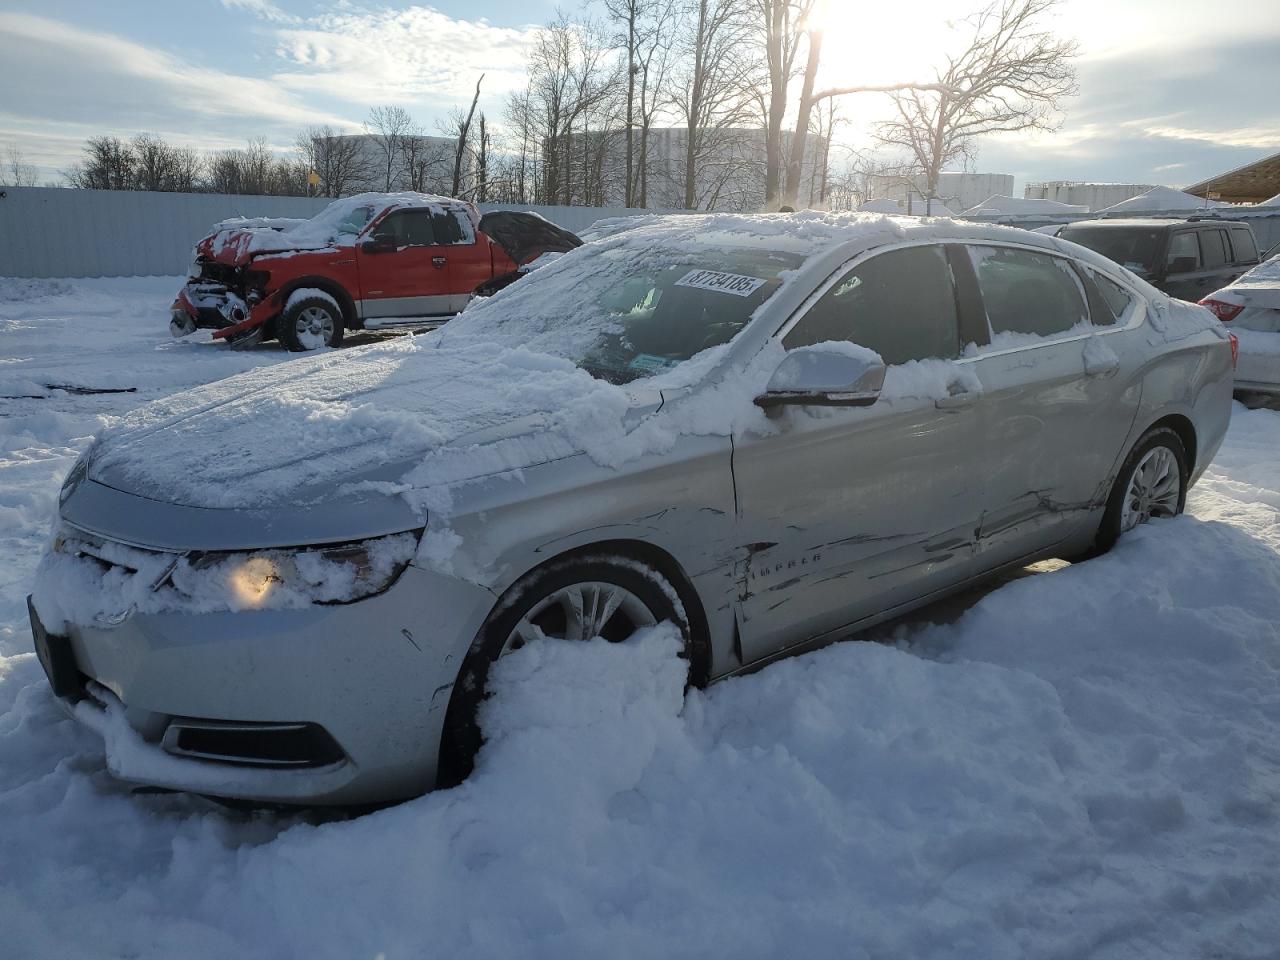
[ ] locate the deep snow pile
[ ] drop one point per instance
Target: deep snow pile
(1084, 764)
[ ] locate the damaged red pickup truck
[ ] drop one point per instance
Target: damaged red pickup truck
(371, 261)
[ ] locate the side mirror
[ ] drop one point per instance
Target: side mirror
(1183, 265)
(380, 243)
(826, 374)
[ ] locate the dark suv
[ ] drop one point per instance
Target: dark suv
(1187, 259)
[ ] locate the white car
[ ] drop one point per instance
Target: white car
(1251, 309)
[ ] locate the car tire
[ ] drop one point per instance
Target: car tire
(309, 324)
(1135, 500)
(535, 600)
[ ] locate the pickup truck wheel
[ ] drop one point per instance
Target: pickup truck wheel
(310, 324)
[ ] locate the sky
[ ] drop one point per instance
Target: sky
(1171, 91)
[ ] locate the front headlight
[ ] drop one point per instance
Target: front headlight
(294, 578)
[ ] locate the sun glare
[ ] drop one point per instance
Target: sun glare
(883, 43)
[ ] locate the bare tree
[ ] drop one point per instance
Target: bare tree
(784, 23)
(108, 164)
(643, 31)
(1013, 75)
(711, 95)
(482, 162)
(426, 161)
(521, 146)
(186, 169)
(338, 161)
(655, 60)
(570, 77)
(17, 172)
(464, 127)
(153, 168)
(389, 126)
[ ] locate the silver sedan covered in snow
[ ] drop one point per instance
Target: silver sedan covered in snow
(773, 431)
(1251, 309)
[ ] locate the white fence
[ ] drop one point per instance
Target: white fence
(57, 232)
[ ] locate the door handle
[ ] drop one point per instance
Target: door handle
(438, 262)
(954, 401)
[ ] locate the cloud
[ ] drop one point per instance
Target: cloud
(415, 55)
(116, 83)
(262, 9)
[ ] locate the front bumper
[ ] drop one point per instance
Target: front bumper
(206, 305)
(375, 676)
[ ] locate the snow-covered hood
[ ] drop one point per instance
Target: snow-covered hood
(235, 244)
(393, 418)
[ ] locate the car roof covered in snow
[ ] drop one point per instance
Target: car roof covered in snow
(825, 240)
(811, 232)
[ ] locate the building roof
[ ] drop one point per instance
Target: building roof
(1161, 198)
(1252, 183)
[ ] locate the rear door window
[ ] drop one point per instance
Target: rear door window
(901, 304)
(1213, 249)
(1184, 253)
(452, 227)
(1245, 250)
(1028, 294)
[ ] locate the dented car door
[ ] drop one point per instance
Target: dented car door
(847, 512)
(1060, 395)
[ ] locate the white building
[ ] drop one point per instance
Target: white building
(956, 189)
(418, 162)
(1092, 196)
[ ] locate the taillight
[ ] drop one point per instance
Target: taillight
(1221, 309)
(1235, 349)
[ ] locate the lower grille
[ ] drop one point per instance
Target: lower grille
(252, 744)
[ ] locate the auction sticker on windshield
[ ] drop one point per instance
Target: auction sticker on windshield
(734, 283)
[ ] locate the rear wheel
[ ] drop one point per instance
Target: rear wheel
(310, 324)
(1151, 485)
(609, 597)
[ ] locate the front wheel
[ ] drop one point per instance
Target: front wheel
(1151, 485)
(309, 324)
(609, 597)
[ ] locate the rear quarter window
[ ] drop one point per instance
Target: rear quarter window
(1120, 302)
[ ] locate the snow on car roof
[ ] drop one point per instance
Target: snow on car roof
(808, 232)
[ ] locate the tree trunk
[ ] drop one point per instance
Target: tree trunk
(795, 165)
(631, 99)
(462, 141)
(777, 101)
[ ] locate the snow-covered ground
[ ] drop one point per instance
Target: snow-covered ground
(1086, 763)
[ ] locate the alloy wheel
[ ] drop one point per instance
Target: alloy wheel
(581, 611)
(1155, 488)
(314, 327)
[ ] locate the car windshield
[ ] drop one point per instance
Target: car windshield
(625, 313)
(341, 217)
(1134, 248)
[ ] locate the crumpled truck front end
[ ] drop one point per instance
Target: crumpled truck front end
(234, 302)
